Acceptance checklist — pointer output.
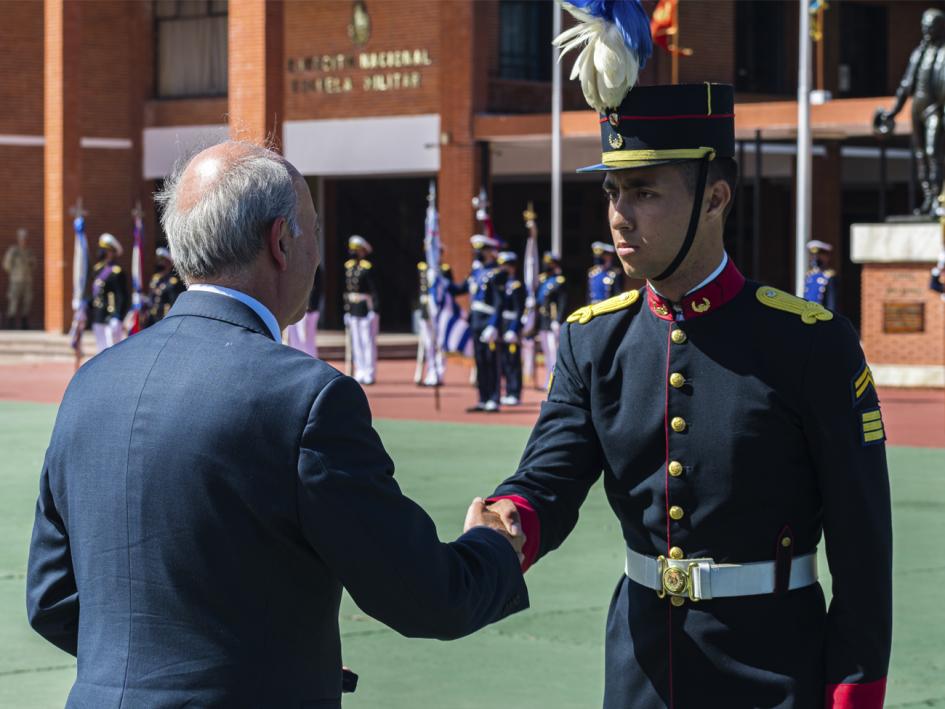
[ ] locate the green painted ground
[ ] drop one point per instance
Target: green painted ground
(549, 657)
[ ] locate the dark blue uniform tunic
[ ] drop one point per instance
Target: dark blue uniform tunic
(770, 430)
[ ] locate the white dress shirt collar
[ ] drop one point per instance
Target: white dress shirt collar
(261, 310)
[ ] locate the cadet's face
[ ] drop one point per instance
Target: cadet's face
(648, 210)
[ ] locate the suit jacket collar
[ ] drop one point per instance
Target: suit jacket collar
(202, 304)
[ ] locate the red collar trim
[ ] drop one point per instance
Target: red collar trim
(712, 296)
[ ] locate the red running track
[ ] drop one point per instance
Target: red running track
(914, 417)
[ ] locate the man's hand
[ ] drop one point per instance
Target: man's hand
(501, 516)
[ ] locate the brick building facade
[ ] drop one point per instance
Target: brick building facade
(372, 99)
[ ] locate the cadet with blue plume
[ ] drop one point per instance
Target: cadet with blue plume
(361, 307)
(110, 299)
(820, 283)
(604, 279)
(485, 288)
(737, 428)
(513, 308)
(552, 300)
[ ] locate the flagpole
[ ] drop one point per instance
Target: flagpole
(556, 245)
(674, 47)
(804, 148)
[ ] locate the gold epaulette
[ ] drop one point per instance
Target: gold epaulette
(350, 263)
(516, 284)
(542, 277)
(611, 305)
(830, 273)
(422, 266)
(364, 263)
(810, 312)
(444, 267)
(561, 279)
(116, 269)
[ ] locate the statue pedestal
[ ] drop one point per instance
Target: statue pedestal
(902, 321)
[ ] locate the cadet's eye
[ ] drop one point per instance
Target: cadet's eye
(611, 194)
(646, 194)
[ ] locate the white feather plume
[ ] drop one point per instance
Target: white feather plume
(606, 66)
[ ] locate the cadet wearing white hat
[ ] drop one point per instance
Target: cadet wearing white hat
(109, 294)
(361, 319)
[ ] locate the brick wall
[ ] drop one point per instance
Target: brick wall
(319, 29)
(21, 167)
(901, 283)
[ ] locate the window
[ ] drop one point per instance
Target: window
(862, 70)
(191, 46)
(760, 47)
(525, 40)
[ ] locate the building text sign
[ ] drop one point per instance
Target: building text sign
(341, 73)
(903, 318)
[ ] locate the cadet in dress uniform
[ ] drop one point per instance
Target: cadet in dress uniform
(735, 425)
(164, 287)
(513, 309)
(820, 283)
(361, 318)
(430, 357)
(110, 299)
(604, 279)
(303, 335)
(484, 286)
(552, 300)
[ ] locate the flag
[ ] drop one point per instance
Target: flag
(137, 273)
(80, 269)
(530, 278)
(664, 26)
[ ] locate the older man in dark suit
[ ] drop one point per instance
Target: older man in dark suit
(197, 559)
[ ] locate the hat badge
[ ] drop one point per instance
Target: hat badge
(614, 119)
(615, 140)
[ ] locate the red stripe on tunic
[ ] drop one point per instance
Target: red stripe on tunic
(868, 695)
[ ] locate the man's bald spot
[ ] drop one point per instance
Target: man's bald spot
(207, 167)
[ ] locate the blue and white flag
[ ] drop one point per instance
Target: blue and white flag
(80, 269)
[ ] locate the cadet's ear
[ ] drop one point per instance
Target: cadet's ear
(720, 195)
(276, 238)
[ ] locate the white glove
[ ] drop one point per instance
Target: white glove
(936, 272)
(941, 261)
(488, 335)
(509, 337)
(555, 327)
(530, 302)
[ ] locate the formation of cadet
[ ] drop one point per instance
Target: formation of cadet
(510, 329)
(431, 362)
(303, 335)
(485, 288)
(736, 426)
(164, 287)
(820, 283)
(18, 264)
(604, 279)
(551, 298)
(110, 299)
(361, 310)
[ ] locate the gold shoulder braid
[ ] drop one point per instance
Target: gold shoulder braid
(779, 300)
(611, 305)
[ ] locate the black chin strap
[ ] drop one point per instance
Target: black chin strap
(693, 222)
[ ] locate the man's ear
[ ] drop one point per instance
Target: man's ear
(720, 195)
(276, 239)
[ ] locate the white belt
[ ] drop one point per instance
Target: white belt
(702, 579)
(509, 314)
(359, 298)
(481, 307)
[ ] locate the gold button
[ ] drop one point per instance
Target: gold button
(677, 600)
(676, 512)
(677, 380)
(786, 542)
(678, 423)
(676, 553)
(675, 468)
(678, 337)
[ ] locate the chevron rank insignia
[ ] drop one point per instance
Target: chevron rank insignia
(873, 430)
(861, 383)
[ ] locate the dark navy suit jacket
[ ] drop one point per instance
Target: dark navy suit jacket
(206, 494)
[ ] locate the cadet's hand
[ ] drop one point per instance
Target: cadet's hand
(501, 516)
(488, 335)
(555, 327)
(509, 337)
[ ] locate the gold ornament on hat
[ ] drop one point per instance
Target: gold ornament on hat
(529, 214)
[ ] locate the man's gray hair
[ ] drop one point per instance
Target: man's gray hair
(223, 231)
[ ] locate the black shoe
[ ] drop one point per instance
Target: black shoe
(478, 408)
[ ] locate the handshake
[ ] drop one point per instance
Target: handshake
(501, 516)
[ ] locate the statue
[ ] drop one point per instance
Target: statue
(924, 82)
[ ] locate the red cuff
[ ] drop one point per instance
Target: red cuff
(868, 695)
(530, 526)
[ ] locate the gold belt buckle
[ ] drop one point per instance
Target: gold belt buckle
(675, 581)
